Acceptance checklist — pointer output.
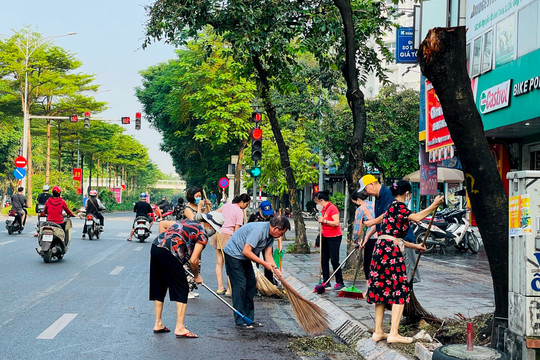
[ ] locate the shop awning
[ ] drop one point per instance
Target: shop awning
(443, 175)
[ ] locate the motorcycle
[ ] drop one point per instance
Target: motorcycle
(41, 217)
(168, 215)
(142, 228)
(13, 222)
(53, 242)
(448, 228)
(312, 215)
(92, 227)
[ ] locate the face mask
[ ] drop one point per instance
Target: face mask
(210, 232)
(319, 207)
(197, 201)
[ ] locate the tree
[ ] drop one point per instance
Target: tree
(443, 61)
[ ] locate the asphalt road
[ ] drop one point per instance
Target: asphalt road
(93, 304)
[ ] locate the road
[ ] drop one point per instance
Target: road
(93, 304)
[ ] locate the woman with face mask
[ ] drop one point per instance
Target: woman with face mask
(180, 244)
(196, 204)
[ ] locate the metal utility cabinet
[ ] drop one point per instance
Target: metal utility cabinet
(523, 337)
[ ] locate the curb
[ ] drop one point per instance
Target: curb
(348, 330)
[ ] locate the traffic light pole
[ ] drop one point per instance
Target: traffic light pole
(255, 193)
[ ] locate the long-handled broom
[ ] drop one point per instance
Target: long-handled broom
(264, 286)
(244, 317)
(352, 292)
(309, 316)
(320, 289)
(413, 310)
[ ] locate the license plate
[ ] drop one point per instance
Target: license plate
(89, 222)
(11, 218)
(42, 218)
(47, 238)
(141, 232)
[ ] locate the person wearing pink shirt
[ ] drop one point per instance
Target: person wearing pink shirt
(233, 214)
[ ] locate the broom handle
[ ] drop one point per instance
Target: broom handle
(245, 318)
(320, 253)
(357, 267)
(340, 265)
(423, 243)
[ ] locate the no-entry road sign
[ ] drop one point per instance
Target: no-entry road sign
(20, 162)
(19, 173)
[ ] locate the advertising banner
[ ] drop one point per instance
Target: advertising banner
(437, 133)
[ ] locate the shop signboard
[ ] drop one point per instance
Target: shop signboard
(438, 141)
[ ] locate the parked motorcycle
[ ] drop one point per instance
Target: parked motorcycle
(448, 228)
(13, 222)
(92, 227)
(312, 215)
(168, 215)
(53, 242)
(142, 228)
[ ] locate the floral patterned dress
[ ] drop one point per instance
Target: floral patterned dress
(387, 281)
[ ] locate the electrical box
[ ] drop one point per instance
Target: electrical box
(524, 253)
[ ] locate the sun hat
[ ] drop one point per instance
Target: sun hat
(215, 219)
(366, 180)
(266, 208)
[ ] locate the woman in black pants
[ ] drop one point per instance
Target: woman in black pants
(331, 237)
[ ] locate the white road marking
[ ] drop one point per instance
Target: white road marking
(6, 242)
(56, 327)
(116, 270)
(138, 248)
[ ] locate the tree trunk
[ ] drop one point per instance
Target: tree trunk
(59, 147)
(238, 171)
(355, 98)
(48, 155)
(97, 175)
(30, 173)
(443, 61)
(300, 243)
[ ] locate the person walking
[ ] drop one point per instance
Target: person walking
(233, 214)
(331, 236)
(388, 284)
(181, 244)
(244, 247)
(363, 213)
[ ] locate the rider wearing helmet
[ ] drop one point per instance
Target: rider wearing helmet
(18, 204)
(43, 197)
(141, 208)
(54, 207)
(93, 207)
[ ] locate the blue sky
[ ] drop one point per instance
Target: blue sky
(108, 43)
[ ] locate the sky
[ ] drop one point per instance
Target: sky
(108, 40)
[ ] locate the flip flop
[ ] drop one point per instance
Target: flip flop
(246, 326)
(188, 335)
(160, 331)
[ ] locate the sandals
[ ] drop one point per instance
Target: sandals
(160, 331)
(252, 326)
(188, 335)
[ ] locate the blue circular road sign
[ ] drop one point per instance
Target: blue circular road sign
(223, 182)
(19, 173)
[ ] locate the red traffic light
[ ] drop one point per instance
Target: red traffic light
(126, 120)
(256, 116)
(87, 114)
(73, 118)
(256, 134)
(138, 115)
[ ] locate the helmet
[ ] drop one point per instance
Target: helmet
(93, 192)
(143, 195)
(45, 187)
(56, 189)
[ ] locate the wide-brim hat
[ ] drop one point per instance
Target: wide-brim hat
(366, 180)
(215, 219)
(266, 208)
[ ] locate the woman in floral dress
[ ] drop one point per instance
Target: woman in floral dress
(388, 284)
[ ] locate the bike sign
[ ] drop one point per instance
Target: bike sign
(223, 182)
(19, 173)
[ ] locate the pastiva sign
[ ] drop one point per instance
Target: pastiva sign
(496, 97)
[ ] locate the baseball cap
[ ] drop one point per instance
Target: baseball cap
(366, 180)
(266, 208)
(215, 219)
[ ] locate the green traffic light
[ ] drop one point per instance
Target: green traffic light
(256, 171)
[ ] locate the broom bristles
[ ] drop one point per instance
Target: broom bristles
(311, 318)
(264, 286)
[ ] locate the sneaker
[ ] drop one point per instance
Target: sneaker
(339, 286)
(83, 236)
(101, 228)
(327, 285)
(222, 292)
(190, 296)
(194, 294)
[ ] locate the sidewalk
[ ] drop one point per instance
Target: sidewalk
(450, 284)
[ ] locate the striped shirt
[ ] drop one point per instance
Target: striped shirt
(363, 213)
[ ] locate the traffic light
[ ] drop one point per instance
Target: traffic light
(256, 116)
(73, 118)
(138, 121)
(255, 171)
(87, 119)
(256, 143)
(125, 120)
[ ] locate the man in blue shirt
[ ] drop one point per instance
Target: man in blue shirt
(244, 247)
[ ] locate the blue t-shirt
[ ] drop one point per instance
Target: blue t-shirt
(256, 234)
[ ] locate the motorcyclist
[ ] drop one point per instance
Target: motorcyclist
(141, 208)
(93, 207)
(41, 200)
(164, 205)
(18, 204)
(178, 211)
(54, 207)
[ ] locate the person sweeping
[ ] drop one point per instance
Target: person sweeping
(388, 283)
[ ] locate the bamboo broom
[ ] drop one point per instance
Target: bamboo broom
(311, 318)
(265, 286)
(413, 311)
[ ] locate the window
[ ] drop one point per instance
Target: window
(468, 55)
(486, 52)
(477, 50)
(505, 44)
(528, 29)
(392, 48)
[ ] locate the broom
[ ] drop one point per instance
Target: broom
(413, 310)
(320, 289)
(311, 318)
(353, 292)
(265, 286)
